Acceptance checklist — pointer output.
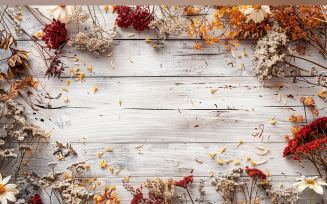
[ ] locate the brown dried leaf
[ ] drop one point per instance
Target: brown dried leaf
(22, 55)
(9, 73)
(3, 77)
(3, 97)
(15, 88)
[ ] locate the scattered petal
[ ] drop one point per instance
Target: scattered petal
(94, 89)
(130, 35)
(119, 101)
(272, 121)
(278, 85)
(118, 170)
(130, 59)
(68, 82)
(236, 162)
(199, 160)
(213, 90)
(240, 142)
(66, 99)
(222, 149)
(148, 40)
(227, 161)
(137, 146)
(64, 89)
(211, 174)
(220, 161)
(109, 55)
(127, 178)
(90, 68)
(111, 169)
(212, 155)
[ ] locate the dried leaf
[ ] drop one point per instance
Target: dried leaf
(278, 85)
(15, 87)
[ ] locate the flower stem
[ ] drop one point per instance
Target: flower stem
(190, 195)
(310, 197)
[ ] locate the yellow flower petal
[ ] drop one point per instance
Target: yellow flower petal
(94, 89)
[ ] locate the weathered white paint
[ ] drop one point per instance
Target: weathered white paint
(156, 92)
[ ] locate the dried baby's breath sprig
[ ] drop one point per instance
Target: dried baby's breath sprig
(68, 190)
(18, 131)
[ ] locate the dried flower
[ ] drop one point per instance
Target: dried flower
(61, 12)
(312, 183)
(256, 13)
(56, 34)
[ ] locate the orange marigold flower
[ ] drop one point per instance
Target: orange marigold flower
(198, 47)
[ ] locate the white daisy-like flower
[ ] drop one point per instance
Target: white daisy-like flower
(256, 13)
(7, 192)
(311, 182)
(61, 12)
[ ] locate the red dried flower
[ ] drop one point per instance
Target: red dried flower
(137, 16)
(35, 199)
(309, 139)
(184, 183)
(56, 34)
(255, 173)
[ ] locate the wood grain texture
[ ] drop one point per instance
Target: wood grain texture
(167, 105)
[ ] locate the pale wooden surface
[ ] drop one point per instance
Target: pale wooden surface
(157, 91)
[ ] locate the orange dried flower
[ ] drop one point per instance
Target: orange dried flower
(292, 118)
(295, 130)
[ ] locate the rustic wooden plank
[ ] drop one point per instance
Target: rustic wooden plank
(178, 58)
(159, 109)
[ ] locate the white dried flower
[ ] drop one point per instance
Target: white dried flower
(79, 15)
(269, 55)
(256, 13)
(61, 12)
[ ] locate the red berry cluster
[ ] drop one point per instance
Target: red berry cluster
(35, 199)
(56, 34)
(255, 173)
(184, 183)
(137, 16)
(308, 139)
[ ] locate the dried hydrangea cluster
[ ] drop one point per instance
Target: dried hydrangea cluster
(310, 142)
(69, 189)
(98, 41)
(18, 130)
(269, 55)
(79, 15)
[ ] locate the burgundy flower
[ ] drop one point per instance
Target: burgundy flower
(35, 199)
(56, 34)
(137, 16)
(184, 183)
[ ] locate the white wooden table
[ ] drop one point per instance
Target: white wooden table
(156, 92)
